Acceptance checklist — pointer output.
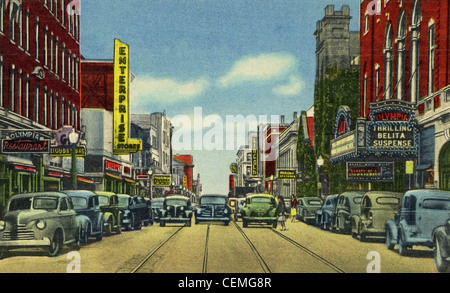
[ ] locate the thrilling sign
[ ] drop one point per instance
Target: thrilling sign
(123, 145)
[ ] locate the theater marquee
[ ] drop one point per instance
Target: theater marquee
(123, 145)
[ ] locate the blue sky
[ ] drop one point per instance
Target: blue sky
(229, 57)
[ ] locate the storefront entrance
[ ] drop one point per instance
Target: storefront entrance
(444, 167)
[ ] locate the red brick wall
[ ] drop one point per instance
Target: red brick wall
(24, 59)
(373, 42)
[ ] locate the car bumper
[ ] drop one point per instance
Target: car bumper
(25, 243)
(259, 219)
(212, 219)
(175, 220)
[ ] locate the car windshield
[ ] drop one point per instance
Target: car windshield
(261, 200)
(79, 202)
(45, 203)
(123, 201)
(314, 202)
(213, 200)
(176, 202)
(20, 204)
(103, 200)
(388, 200)
(436, 204)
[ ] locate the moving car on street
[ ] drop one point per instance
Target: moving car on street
(112, 216)
(134, 211)
(213, 208)
(259, 208)
(307, 208)
(89, 217)
(176, 209)
(421, 212)
(39, 220)
(156, 206)
(377, 207)
(347, 207)
(325, 215)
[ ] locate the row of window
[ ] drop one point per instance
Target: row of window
(396, 89)
(34, 101)
(57, 58)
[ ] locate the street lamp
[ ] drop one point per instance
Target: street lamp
(320, 163)
(73, 139)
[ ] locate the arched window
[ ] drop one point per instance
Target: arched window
(388, 62)
(415, 58)
(401, 44)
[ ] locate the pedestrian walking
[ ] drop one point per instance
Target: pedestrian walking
(294, 202)
(281, 211)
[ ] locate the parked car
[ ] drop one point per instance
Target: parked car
(213, 208)
(377, 207)
(135, 212)
(90, 218)
(421, 212)
(306, 208)
(325, 215)
(39, 220)
(149, 220)
(176, 209)
(348, 206)
(156, 206)
(259, 208)
(112, 216)
(441, 243)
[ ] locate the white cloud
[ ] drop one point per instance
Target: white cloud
(264, 67)
(292, 88)
(148, 89)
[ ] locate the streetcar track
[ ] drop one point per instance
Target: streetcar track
(308, 251)
(265, 267)
(205, 254)
(155, 250)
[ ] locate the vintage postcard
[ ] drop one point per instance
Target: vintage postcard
(231, 139)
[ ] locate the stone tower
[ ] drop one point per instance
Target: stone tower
(336, 45)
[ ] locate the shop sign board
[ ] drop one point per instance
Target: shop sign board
(162, 181)
(22, 142)
(370, 171)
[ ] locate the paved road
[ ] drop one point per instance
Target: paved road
(215, 248)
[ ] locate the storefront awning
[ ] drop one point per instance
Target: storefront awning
(113, 176)
(424, 167)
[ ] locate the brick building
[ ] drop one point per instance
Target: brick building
(39, 86)
(405, 60)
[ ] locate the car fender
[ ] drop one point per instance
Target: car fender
(107, 216)
(83, 221)
(356, 223)
(391, 227)
(439, 233)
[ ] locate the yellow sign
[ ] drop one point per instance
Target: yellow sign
(123, 145)
(409, 167)
(162, 181)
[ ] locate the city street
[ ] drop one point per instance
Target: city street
(215, 248)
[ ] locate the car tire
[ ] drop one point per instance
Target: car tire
(188, 223)
(138, 225)
(226, 223)
(442, 265)
(56, 244)
(85, 235)
(99, 236)
(274, 224)
(244, 223)
(162, 223)
(388, 240)
(3, 253)
(108, 230)
(402, 247)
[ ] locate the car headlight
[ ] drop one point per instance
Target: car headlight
(182, 208)
(40, 224)
(2, 225)
(225, 211)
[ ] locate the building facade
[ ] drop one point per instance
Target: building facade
(107, 171)
(39, 87)
(336, 45)
(405, 59)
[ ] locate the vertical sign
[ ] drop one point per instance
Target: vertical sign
(255, 156)
(123, 145)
